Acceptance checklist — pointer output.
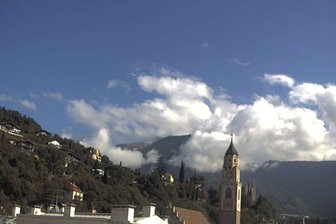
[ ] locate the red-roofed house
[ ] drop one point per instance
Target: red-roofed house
(76, 193)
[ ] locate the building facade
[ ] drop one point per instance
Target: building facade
(120, 214)
(230, 188)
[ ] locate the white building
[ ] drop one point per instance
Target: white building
(119, 215)
(96, 155)
(55, 144)
(75, 193)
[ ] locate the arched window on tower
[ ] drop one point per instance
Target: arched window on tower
(228, 193)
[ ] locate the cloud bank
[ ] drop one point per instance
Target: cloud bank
(54, 96)
(28, 104)
(279, 79)
(299, 126)
(239, 62)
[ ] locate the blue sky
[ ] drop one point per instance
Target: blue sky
(60, 58)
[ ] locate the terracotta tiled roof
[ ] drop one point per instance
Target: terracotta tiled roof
(75, 188)
(191, 216)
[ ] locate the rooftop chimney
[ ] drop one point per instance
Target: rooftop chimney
(37, 210)
(16, 210)
(148, 210)
(70, 210)
(122, 214)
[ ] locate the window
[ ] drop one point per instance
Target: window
(228, 193)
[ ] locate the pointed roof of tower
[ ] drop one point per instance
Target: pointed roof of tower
(231, 150)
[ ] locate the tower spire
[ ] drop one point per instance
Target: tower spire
(231, 150)
(230, 188)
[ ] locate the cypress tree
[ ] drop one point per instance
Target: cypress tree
(181, 178)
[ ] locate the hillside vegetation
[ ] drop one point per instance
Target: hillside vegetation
(35, 172)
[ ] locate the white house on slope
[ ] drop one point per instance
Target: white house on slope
(55, 144)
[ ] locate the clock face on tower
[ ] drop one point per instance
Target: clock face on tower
(229, 174)
(228, 204)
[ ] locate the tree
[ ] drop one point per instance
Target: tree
(246, 200)
(181, 177)
(3, 138)
(264, 207)
(213, 196)
(160, 166)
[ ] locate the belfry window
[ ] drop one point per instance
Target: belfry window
(228, 193)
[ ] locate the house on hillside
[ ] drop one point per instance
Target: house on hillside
(3, 127)
(69, 159)
(43, 133)
(99, 172)
(75, 193)
(55, 144)
(12, 128)
(95, 155)
(168, 179)
(24, 145)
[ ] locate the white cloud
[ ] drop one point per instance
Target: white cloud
(112, 83)
(324, 97)
(102, 139)
(54, 96)
(203, 151)
(28, 104)
(305, 92)
(279, 79)
(118, 84)
(205, 45)
(5, 97)
(175, 87)
(66, 133)
(85, 113)
(239, 62)
(267, 129)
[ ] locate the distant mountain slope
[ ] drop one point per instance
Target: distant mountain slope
(297, 186)
(168, 146)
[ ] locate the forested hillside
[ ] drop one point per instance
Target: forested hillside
(41, 168)
(35, 172)
(41, 172)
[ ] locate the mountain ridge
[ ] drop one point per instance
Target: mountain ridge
(288, 184)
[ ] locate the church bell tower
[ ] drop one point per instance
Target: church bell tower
(230, 188)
